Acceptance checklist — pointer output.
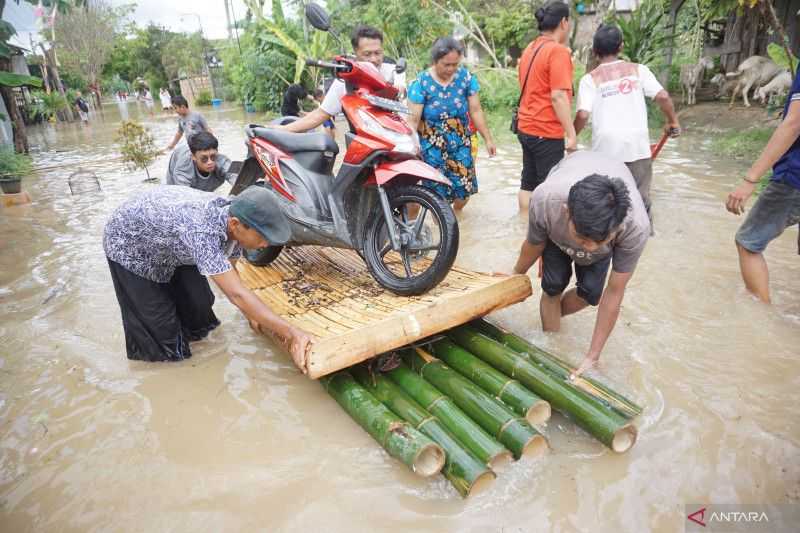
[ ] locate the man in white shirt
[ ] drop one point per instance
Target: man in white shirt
(368, 46)
(614, 95)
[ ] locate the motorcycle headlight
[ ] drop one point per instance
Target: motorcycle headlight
(403, 143)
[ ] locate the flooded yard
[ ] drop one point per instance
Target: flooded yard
(236, 439)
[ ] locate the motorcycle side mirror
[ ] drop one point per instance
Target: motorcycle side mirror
(401, 65)
(318, 17)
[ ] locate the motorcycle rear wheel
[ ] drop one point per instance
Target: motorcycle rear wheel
(411, 270)
(262, 256)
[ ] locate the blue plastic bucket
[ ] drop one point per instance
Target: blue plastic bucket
(216, 102)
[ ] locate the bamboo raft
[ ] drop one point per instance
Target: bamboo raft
(466, 397)
(329, 293)
(465, 403)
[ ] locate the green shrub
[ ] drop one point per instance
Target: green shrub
(499, 89)
(12, 164)
(746, 144)
(136, 146)
(203, 98)
(260, 74)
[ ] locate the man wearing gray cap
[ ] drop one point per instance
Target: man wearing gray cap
(162, 244)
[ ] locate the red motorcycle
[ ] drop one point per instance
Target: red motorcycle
(406, 233)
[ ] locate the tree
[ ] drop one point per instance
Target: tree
(85, 38)
(136, 146)
(9, 80)
(261, 72)
(183, 55)
(288, 35)
(508, 24)
(409, 26)
(643, 32)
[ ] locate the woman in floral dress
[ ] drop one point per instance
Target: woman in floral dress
(442, 99)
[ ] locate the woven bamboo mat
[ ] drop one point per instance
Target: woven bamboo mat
(330, 293)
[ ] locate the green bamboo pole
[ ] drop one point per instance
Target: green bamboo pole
(605, 424)
(398, 438)
(548, 366)
(510, 391)
(559, 368)
(464, 471)
(514, 432)
(468, 433)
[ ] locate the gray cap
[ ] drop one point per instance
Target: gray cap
(258, 208)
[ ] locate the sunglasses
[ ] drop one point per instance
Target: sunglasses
(206, 158)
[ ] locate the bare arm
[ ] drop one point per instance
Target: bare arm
(528, 255)
(416, 115)
(782, 138)
(607, 314)
(297, 341)
(561, 106)
(581, 119)
(665, 103)
(308, 122)
(476, 112)
(175, 140)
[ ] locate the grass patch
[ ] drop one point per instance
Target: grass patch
(746, 144)
(499, 122)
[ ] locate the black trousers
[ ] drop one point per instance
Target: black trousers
(557, 272)
(160, 319)
(539, 156)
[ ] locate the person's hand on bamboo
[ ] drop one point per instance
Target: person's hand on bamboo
(588, 362)
(299, 345)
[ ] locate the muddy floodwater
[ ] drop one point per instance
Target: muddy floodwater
(235, 439)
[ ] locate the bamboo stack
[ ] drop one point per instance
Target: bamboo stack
(469, 403)
(592, 412)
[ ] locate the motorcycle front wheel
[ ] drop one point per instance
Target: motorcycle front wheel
(262, 256)
(428, 233)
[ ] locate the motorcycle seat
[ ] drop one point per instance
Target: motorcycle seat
(295, 142)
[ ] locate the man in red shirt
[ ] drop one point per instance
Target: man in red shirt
(545, 111)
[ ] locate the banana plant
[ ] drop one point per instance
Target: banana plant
(280, 34)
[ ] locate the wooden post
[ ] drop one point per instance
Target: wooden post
(17, 124)
(674, 8)
(68, 111)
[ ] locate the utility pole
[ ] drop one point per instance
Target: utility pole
(228, 18)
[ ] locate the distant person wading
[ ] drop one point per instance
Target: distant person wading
(190, 123)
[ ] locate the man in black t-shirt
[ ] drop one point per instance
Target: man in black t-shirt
(291, 100)
(82, 107)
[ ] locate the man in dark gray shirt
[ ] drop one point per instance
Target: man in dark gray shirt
(199, 165)
(190, 123)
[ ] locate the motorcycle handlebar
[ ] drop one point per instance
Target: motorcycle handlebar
(326, 64)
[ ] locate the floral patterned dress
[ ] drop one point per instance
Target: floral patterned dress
(445, 135)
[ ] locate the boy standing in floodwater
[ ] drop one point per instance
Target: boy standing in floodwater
(190, 123)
